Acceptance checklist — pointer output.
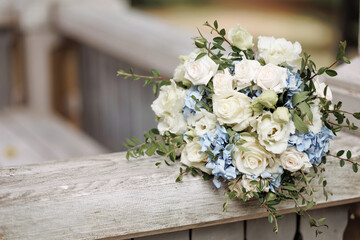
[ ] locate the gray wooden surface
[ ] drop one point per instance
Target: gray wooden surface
(26, 137)
(113, 108)
(107, 196)
(5, 67)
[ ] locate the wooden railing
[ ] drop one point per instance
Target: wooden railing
(109, 197)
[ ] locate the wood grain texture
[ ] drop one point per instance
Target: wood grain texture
(181, 235)
(336, 219)
(26, 138)
(109, 103)
(228, 231)
(260, 228)
(127, 34)
(107, 196)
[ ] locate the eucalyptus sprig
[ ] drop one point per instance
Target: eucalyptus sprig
(155, 79)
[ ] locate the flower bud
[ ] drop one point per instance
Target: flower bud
(281, 115)
(200, 42)
(268, 98)
(240, 38)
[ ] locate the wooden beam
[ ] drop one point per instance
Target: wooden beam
(129, 34)
(109, 197)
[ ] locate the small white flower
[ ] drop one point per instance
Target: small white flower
(179, 75)
(293, 160)
(279, 51)
(232, 107)
(192, 156)
(317, 123)
(223, 81)
(168, 109)
(320, 87)
(199, 71)
(274, 136)
(254, 161)
(272, 77)
(203, 122)
(170, 100)
(240, 38)
(173, 122)
(245, 72)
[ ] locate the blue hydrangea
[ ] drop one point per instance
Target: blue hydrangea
(218, 143)
(190, 103)
(275, 178)
(251, 93)
(293, 86)
(314, 145)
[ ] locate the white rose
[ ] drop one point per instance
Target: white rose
(245, 72)
(272, 77)
(249, 187)
(320, 87)
(252, 162)
(192, 156)
(223, 81)
(179, 75)
(274, 136)
(203, 122)
(293, 160)
(279, 51)
(170, 100)
(200, 71)
(317, 123)
(240, 38)
(173, 122)
(232, 107)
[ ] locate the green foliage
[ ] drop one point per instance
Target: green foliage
(297, 186)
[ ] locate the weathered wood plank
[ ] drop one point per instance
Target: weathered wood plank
(287, 228)
(5, 66)
(229, 231)
(182, 235)
(31, 138)
(336, 219)
(100, 28)
(107, 196)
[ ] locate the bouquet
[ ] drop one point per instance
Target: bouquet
(256, 120)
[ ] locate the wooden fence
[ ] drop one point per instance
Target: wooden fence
(108, 197)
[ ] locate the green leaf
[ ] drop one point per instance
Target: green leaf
(310, 205)
(357, 115)
(305, 109)
(151, 150)
(346, 60)
(179, 178)
(155, 73)
(270, 218)
(222, 32)
(155, 89)
(339, 153)
(331, 73)
(342, 162)
(299, 123)
(312, 222)
(300, 97)
(136, 140)
(232, 194)
(348, 154)
(355, 167)
(130, 143)
(322, 70)
(321, 220)
(289, 187)
(200, 56)
(216, 24)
